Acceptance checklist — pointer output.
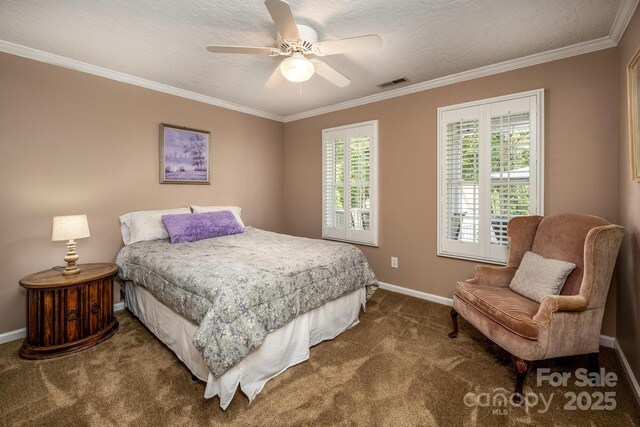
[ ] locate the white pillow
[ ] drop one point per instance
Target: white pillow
(146, 225)
(538, 276)
(237, 212)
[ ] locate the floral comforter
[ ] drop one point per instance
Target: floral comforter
(239, 288)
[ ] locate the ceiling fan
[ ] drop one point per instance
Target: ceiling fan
(300, 45)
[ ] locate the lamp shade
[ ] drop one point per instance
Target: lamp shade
(297, 68)
(70, 227)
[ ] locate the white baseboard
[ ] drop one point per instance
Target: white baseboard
(605, 340)
(19, 334)
(417, 294)
(625, 364)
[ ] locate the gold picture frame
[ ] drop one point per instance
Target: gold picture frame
(184, 155)
(633, 85)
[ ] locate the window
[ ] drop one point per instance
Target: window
(350, 183)
(489, 170)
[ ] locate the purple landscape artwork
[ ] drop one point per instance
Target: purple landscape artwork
(184, 155)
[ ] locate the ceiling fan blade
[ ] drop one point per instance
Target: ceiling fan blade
(353, 44)
(268, 51)
(329, 73)
(276, 79)
(282, 16)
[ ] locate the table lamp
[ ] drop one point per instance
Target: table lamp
(70, 227)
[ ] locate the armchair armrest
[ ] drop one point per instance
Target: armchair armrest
(552, 303)
(493, 276)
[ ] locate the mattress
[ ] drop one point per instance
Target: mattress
(281, 348)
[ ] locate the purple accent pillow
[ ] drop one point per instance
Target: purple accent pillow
(199, 226)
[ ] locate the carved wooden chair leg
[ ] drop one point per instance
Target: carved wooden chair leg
(454, 319)
(522, 368)
(594, 367)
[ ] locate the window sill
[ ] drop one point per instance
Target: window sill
(472, 258)
(353, 242)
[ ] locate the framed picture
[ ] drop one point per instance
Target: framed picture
(184, 155)
(633, 84)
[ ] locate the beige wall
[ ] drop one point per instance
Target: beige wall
(59, 126)
(76, 143)
(580, 163)
(628, 272)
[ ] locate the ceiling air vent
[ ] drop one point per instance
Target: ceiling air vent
(392, 82)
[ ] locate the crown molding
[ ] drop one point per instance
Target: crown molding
(61, 61)
(620, 23)
(501, 67)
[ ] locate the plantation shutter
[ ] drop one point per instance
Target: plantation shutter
(350, 183)
(460, 206)
(488, 173)
(512, 162)
(334, 180)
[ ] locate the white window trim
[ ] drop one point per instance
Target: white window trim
(539, 166)
(373, 190)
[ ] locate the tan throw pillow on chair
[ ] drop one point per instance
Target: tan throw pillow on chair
(538, 276)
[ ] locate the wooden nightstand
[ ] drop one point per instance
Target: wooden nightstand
(68, 314)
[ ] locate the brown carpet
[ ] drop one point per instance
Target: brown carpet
(397, 367)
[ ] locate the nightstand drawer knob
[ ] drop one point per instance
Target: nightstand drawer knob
(72, 315)
(95, 307)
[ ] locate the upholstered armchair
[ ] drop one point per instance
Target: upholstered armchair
(560, 325)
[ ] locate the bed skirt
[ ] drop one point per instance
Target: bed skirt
(281, 349)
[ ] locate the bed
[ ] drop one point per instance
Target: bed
(240, 309)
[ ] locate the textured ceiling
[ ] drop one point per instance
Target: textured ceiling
(164, 40)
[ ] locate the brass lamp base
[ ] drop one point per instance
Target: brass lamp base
(71, 258)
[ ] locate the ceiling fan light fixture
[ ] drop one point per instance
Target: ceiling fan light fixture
(297, 68)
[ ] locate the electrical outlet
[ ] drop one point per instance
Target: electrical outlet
(394, 262)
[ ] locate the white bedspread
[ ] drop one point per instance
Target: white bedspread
(281, 349)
